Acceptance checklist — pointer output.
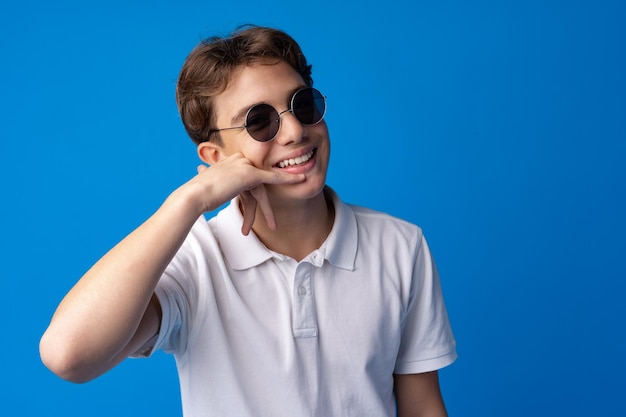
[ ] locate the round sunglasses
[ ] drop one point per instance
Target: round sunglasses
(308, 105)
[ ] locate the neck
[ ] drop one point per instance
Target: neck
(302, 226)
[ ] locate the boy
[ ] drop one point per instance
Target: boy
(288, 302)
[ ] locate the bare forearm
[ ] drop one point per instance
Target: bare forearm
(419, 395)
(102, 313)
(108, 313)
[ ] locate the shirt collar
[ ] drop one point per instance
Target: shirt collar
(240, 251)
(341, 243)
(245, 252)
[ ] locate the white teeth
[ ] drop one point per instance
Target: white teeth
(295, 161)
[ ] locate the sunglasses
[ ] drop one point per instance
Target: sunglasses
(308, 105)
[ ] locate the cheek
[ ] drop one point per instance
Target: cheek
(322, 132)
(321, 128)
(256, 153)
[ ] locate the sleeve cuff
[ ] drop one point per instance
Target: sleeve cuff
(427, 365)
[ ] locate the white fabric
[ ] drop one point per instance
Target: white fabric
(256, 334)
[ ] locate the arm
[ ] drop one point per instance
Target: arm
(418, 395)
(111, 311)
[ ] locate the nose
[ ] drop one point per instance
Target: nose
(291, 130)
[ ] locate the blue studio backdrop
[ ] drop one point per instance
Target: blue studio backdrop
(499, 127)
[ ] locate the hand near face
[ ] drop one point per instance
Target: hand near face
(236, 176)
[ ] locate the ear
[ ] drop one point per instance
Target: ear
(210, 153)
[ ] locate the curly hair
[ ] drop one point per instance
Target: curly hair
(211, 64)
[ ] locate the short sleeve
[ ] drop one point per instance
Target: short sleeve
(172, 333)
(177, 293)
(427, 342)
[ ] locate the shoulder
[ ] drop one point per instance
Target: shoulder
(379, 222)
(387, 238)
(202, 233)
(373, 231)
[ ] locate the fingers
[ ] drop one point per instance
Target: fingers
(248, 208)
(261, 198)
(277, 177)
(260, 195)
(250, 200)
(240, 170)
(236, 175)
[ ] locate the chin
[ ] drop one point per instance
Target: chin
(303, 191)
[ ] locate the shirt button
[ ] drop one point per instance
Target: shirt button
(301, 290)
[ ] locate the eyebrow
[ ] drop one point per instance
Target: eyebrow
(240, 115)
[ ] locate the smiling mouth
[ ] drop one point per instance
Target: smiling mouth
(300, 160)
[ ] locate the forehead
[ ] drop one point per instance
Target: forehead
(261, 82)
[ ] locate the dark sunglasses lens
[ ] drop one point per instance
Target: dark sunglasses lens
(309, 106)
(262, 122)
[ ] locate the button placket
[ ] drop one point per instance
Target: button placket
(304, 313)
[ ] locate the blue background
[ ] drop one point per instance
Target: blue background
(499, 127)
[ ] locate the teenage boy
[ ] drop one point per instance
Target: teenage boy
(288, 302)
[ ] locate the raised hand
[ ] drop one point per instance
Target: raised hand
(235, 175)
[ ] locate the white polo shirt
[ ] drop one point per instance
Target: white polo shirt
(256, 333)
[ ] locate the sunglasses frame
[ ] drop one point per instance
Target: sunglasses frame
(278, 114)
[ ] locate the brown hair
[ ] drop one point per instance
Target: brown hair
(210, 65)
